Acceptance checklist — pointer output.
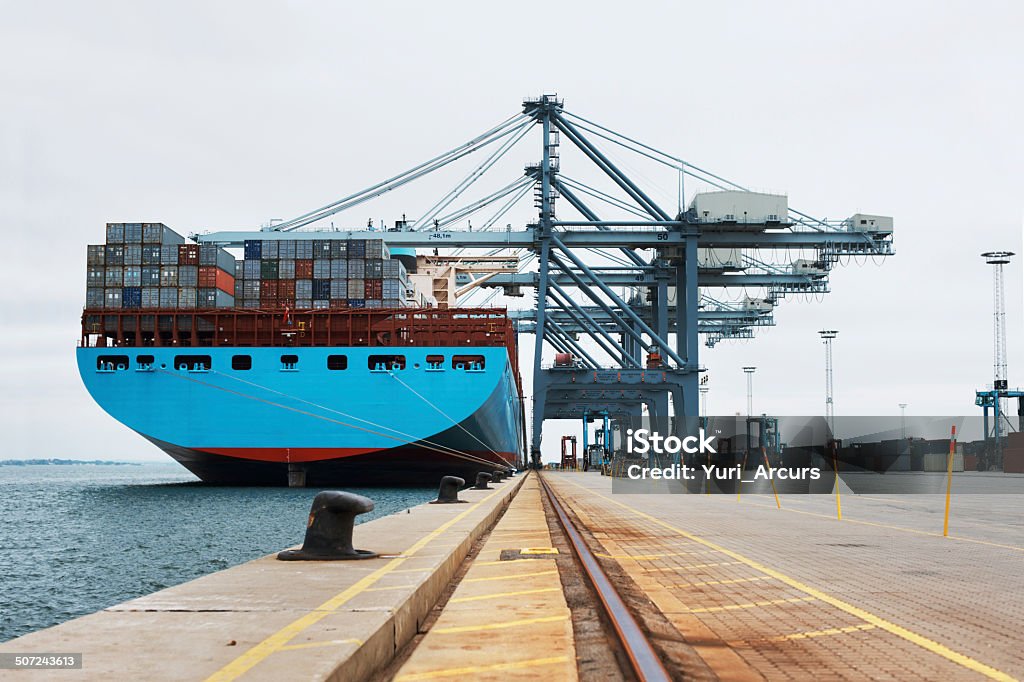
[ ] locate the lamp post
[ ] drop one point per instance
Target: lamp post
(827, 335)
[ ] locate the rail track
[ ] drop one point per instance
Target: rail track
(644, 661)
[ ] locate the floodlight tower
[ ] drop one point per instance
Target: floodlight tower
(750, 389)
(704, 400)
(999, 378)
(903, 421)
(827, 335)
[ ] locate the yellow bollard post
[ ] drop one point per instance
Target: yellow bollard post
(949, 479)
(770, 477)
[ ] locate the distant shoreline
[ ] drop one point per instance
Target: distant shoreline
(37, 462)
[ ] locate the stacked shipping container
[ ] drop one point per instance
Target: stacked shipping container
(320, 273)
(149, 265)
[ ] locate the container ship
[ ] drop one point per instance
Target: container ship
(314, 360)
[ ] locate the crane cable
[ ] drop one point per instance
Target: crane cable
(454, 453)
(408, 436)
(442, 412)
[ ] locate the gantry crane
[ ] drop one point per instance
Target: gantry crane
(627, 293)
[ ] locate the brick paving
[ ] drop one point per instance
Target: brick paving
(795, 594)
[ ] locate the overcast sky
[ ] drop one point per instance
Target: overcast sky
(224, 115)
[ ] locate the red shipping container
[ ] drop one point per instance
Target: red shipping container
(339, 303)
(268, 289)
(286, 289)
(374, 288)
(188, 254)
(1013, 461)
(304, 269)
(225, 281)
(207, 276)
(268, 302)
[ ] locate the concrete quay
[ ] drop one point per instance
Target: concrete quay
(282, 620)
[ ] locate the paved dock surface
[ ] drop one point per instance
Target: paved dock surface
(508, 617)
(283, 620)
(764, 593)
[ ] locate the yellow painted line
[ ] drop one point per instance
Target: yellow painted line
(866, 616)
(511, 576)
(724, 582)
(279, 639)
(645, 557)
(495, 667)
(829, 632)
(498, 595)
(506, 562)
(687, 568)
(499, 626)
(311, 645)
(749, 605)
(904, 529)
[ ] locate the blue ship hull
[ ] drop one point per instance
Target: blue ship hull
(297, 409)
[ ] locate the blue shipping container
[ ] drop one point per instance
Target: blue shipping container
(131, 297)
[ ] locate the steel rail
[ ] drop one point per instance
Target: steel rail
(642, 657)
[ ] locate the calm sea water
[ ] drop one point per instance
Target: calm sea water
(78, 538)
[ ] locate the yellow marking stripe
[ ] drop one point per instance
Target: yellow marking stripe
(750, 605)
(830, 631)
(899, 631)
(498, 595)
(498, 626)
(687, 568)
(724, 582)
(276, 641)
(903, 528)
(333, 642)
(511, 576)
(644, 557)
(495, 667)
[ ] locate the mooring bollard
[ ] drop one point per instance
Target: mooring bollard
(448, 491)
(481, 481)
(329, 529)
(497, 475)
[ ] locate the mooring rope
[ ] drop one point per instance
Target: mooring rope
(453, 453)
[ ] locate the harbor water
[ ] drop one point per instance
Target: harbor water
(79, 538)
